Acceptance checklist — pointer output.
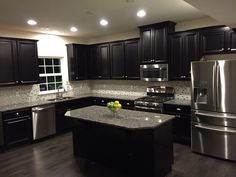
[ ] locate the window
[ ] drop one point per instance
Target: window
(50, 74)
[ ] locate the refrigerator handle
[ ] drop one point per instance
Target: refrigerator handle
(218, 95)
(214, 85)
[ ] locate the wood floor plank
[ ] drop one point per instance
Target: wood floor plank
(54, 158)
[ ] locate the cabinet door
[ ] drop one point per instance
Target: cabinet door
(117, 60)
(132, 64)
(213, 40)
(93, 62)
(103, 65)
(82, 55)
(8, 62)
(28, 61)
(72, 62)
(146, 45)
(176, 56)
(160, 44)
(191, 52)
(232, 41)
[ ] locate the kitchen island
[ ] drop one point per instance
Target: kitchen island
(135, 142)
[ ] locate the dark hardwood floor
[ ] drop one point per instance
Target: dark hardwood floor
(54, 158)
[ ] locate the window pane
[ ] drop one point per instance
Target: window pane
(49, 70)
(42, 79)
(41, 61)
(57, 61)
(41, 70)
(51, 79)
(58, 84)
(57, 69)
(48, 61)
(58, 78)
(51, 87)
(43, 87)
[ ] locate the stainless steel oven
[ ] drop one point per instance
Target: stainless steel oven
(154, 72)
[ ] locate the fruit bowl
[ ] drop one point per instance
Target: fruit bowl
(114, 107)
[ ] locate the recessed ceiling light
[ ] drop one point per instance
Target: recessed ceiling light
(73, 29)
(32, 22)
(104, 22)
(141, 13)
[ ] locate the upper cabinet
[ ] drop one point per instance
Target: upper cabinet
(132, 63)
(218, 40)
(117, 60)
(154, 37)
(124, 56)
(18, 61)
(183, 48)
(77, 61)
(103, 62)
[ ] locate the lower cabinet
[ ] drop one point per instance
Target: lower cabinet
(17, 127)
(62, 124)
(181, 123)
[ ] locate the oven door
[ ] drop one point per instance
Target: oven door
(154, 72)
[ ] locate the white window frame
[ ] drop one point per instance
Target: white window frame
(53, 74)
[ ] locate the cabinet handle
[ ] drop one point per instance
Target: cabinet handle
(229, 48)
(22, 82)
(102, 101)
(123, 76)
(99, 76)
(126, 76)
(178, 116)
(17, 113)
(178, 109)
(17, 82)
(222, 49)
(16, 121)
(182, 77)
(76, 78)
(128, 104)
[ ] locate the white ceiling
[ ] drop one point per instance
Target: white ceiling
(60, 15)
(223, 11)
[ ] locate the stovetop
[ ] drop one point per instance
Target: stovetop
(155, 99)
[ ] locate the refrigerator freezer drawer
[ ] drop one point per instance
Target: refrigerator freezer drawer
(214, 141)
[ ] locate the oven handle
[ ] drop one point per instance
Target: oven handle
(146, 108)
(225, 130)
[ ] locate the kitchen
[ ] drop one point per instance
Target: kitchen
(98, 64)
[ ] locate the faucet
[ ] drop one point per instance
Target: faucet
(60, 95)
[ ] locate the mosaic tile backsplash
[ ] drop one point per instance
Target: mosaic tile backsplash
(30, 93)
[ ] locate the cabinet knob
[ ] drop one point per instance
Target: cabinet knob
(229, 48)
(99, 76)
(123, 76)
(126, 76)
(178, 109)
(102, 101)
(128, 104)
(17, 113)
(183, 77)
(222, 49)
(76, 78)
(17, 82)
(178, 116)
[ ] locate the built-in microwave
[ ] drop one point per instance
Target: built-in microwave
(154, 72)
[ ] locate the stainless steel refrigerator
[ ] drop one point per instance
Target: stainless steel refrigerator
(214, 108)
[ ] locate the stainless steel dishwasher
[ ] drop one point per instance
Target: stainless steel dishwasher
(44, 121)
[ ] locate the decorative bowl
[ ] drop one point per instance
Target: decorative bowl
(114, 110)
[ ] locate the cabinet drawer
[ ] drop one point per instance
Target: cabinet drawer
(16, 114)
(177, 109)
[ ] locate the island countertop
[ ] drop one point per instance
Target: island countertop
(130, 119)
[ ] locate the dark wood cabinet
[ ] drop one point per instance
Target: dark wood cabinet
(28, 62)
(8, 62)
(99, 62)
(181, 123)
(18, 61)
(184, 48)
(154, 42)
(77, 61)
(117, 60)
(132, 62)
(213, 40)
(17, 127)
(231, 41)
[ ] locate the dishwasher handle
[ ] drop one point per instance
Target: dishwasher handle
(42, 108)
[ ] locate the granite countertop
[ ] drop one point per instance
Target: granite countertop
(129, 119)
(14, 106)
(182, 102)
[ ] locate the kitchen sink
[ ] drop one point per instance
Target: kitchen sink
(59, 99)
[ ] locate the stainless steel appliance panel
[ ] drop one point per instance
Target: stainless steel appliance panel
(226, 86)
(203, 85)
(154, 72)
(44, 121)
(214, 118)
(214, 140)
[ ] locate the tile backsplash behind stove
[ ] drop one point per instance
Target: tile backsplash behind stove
(30, 93)
(137, 87)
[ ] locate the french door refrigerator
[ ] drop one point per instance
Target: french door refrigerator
(214, 108)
